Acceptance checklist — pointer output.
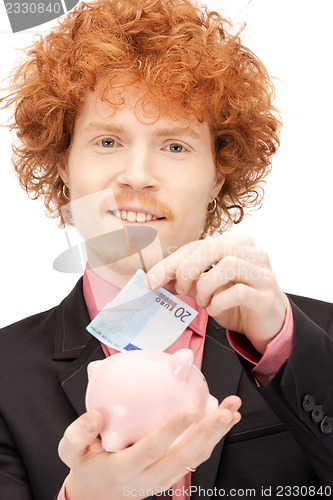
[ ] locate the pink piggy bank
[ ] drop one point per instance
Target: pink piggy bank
(137, 391)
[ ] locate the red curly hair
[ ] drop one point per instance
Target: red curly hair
(182, 53)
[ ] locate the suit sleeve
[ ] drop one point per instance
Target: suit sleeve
(14, 481)
(301, 393)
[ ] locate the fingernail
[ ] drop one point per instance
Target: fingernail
(199, 301)
(88, 423)
(180, 290)
(210, 310)
(235, 406)
(224, 419)
(151, 281)
(147, 283)
(237, 417)
(191, 418)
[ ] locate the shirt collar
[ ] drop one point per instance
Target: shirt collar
(98, 292)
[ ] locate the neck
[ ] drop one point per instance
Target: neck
(118, 273)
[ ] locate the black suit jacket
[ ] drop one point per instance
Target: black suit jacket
(43, 378)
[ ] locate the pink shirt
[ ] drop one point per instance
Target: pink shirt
(98, 292)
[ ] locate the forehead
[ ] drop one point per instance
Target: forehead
(123, 100)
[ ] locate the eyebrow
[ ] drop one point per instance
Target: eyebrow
(189, 132)
(104, 126)
(119, 129)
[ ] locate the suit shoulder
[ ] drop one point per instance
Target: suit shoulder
(319, 311)
(41, 322)
(25, 328)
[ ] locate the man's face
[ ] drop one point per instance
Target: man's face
(145, 171)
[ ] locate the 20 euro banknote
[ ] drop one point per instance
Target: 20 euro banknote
(138, 318)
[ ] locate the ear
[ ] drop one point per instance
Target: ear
(62, 167)
(181, 363)
(217, 186)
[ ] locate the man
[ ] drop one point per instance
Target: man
(149, 114)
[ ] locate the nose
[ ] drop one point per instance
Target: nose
(137, 170)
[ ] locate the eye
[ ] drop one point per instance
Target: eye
(176, 148)
(108, 142)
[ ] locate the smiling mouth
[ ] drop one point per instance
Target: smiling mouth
(131, 216)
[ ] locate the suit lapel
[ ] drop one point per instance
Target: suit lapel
(222, 371)
(74, 378)
(75, 346)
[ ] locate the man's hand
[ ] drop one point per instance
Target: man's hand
(151, 462)
(240, 291)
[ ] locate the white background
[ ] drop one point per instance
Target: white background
(293, 39)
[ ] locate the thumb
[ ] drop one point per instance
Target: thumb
(78, 438)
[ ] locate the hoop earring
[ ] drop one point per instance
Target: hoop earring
(65, 195)
(214, 206)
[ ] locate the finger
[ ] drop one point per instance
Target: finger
(165, 270)
(231, 270)
(235, 296)
(207, 257)
(196, 446)
(232, 403)
(153, 447)
(187, 264)
(78, 438)
(240, 294)
(207, 433)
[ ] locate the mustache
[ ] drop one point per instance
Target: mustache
(146, 201)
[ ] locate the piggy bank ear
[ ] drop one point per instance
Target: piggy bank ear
(180, 364)
(92, 367)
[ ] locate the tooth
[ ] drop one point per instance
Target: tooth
(124, 214)
(149, 217)
(131, 216)
(117, 213)
(141, 217)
